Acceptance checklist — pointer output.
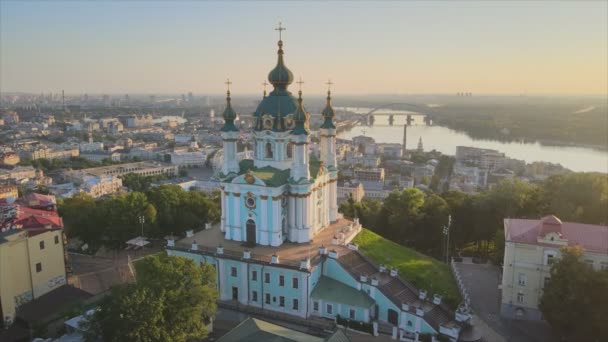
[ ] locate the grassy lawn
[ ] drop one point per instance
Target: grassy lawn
(420, 270)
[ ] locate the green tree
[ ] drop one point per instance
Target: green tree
(432, 218)
(80, 216)
(574, 302)
(400, 210)
(578, 197)
(172, 300)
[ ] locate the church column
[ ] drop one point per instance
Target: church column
(333, 204)
(299, 212)
(292, 211)
(277, 224)
(224, 209)
(263, 228)
(306, 212)
(237, 234)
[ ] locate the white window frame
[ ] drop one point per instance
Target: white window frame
(522, 279)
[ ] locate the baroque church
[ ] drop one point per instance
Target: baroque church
(283, 194)
(281, 247)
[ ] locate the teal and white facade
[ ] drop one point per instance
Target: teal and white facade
(281, 195)
(281, 245)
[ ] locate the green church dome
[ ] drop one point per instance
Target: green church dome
(328, 113)
(229, 116)
(280, 76)
(301, 118)
(276, 111)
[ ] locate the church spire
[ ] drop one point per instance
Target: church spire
(300, 116)
(280, 77)
(328, 111)
(229, 114)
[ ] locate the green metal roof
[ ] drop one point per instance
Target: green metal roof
(229, 116)
(313, 166)
(332, 290)
(280, 102)
(256, 330)
(269, 175)
(328, 113)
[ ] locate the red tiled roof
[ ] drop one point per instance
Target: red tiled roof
(37, 200)
(593, 238)
(35, 221)
(26, 211)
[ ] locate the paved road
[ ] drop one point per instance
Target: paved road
(482, 282)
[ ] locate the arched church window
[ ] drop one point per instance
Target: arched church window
(290, 149)
(269, 150)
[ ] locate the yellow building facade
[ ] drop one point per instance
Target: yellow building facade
(31, 265)
(531, 246)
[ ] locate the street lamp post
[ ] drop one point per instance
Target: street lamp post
(446, 233)
(142, 220)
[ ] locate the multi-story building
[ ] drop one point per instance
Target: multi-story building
(282, 248)
(49, 153)
(531, 246)
(99, 156)
(18, 173)
(348, 190)
(391, 150)
(482, 157)
(9, 159)
(133, 121)
(8, 190)
(188, 159)
(31, 264)
(90, 147)
(32, 259)
(145, 168)
(373, 175)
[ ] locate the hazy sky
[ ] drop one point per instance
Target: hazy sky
(364, 47)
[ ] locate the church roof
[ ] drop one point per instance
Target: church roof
(280, 102)
(229, 115)
(334, 291)
(253, 329)
(277, 177)
(328, 113)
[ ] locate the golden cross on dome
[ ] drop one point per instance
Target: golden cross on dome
(228, 83)
(264, 85)
(329, 84)
(280, 29)
(300, 82)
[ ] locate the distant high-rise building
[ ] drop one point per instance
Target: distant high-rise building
(183, 98)
(127, 99)
(106, 100)
(207, 101)
(420, 147)
(404, 137)
(190, 97)
(152, 98)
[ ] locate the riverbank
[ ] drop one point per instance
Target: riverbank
(445, 140)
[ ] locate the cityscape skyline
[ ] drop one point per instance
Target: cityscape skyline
(384, 48)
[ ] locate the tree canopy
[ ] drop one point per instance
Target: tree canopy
(112, 221)
(416, 219)
(171, 301)
(574, 301)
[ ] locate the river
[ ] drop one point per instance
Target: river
(445, 140)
